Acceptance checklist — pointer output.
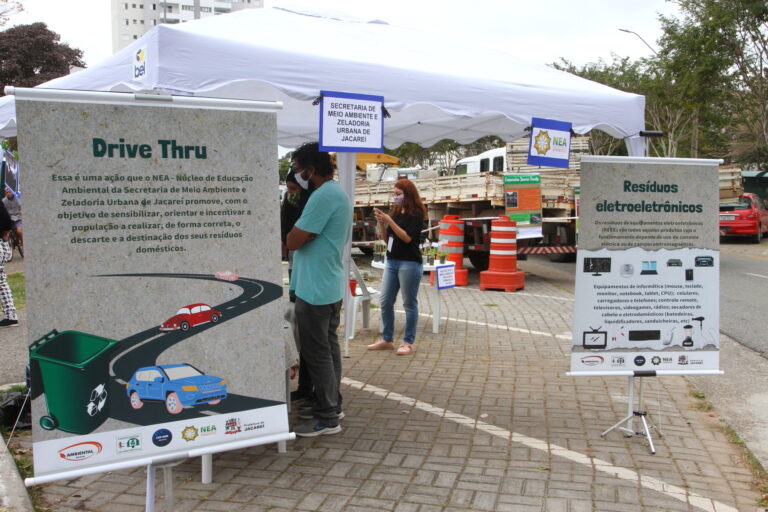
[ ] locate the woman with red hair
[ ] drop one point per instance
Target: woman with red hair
(401, 230)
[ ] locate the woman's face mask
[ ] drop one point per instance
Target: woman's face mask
(397, 196)
(293, 199)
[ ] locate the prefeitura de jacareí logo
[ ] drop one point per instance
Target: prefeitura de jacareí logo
(542, 142)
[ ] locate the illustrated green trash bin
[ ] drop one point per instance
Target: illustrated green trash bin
(74, 371)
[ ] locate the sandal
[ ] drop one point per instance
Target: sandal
(405, 349)
(381, 344)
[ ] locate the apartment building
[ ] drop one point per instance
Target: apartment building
(132, 19)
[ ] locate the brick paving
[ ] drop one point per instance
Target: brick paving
(481, 418)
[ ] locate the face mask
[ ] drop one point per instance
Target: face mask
(293, 199)
(303, 182)
(397, 199)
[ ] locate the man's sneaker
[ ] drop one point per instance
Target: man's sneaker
(297, 396)
(306, 414)
(314, 428)
(7, 322)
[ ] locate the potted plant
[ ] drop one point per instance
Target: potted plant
(443, 255)
(431, 256)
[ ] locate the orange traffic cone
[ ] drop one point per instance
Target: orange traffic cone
(451, 236)
(502, 273)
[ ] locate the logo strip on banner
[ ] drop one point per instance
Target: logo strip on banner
(351, 122)
(550, 143)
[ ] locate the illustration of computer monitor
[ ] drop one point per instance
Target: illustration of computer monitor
(597, 266)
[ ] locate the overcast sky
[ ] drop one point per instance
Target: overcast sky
(581, 31)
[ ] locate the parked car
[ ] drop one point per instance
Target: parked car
(190, 316)
(178, 385)
(746, 217)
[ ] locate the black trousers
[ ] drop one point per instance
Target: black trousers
(321, 353)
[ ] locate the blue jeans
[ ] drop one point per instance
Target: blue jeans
(405, 276)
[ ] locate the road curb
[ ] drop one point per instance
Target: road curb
(13, 494)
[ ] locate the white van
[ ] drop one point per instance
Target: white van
(492, 160)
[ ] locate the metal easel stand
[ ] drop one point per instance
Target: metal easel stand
(167, 468)
(633, 413)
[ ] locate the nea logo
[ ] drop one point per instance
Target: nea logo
(140, 63)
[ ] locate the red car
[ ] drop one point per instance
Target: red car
(190, 316)
(746, 217)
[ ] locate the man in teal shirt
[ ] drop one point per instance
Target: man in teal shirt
(319, 238)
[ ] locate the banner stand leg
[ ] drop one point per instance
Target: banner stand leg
(640, 413)
(167, 484)
(206, 463)
(150, 500)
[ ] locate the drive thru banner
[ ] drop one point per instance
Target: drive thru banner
(647, 272)
(153, 281)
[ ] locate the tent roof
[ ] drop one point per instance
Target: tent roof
(433, 87)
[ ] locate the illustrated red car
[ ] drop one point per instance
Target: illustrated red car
(746, 217)
(190, 316)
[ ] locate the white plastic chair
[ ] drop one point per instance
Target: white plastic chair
(364, 297)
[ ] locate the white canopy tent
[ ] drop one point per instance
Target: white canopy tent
(434, 88)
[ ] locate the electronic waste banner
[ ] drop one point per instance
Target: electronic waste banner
(152, 284)
(647, 272)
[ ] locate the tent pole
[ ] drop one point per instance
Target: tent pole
(346, 163)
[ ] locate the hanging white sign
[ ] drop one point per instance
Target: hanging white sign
(351, 122)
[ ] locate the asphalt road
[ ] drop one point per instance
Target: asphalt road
(744, 300)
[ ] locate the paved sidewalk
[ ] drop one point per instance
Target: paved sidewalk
(481, 417)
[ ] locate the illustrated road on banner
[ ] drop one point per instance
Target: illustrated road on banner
(647, 272)
(153, 282)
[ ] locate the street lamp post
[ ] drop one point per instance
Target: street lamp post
(639, 37)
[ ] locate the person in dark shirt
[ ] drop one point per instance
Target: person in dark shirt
(294, 200)
(290, 210)
(13, 206)
(6, 298)
(401, 231)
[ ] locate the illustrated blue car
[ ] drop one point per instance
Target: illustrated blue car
(178, 385)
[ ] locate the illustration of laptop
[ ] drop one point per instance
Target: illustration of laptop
(648, 269)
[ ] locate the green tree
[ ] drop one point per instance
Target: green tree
(697, 65)
(735, 34)
(31, 55)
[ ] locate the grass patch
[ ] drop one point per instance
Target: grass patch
(702, 404)
(761, 476)
(18, 289)
(20, 388)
